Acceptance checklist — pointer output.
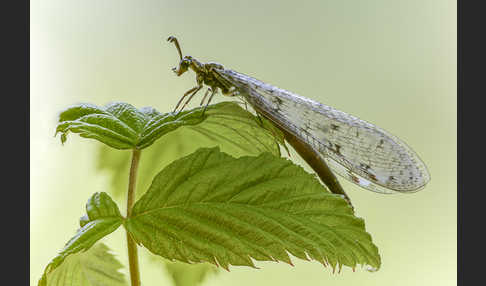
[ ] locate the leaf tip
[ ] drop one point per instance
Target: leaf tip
(42, 281)
(63, 138)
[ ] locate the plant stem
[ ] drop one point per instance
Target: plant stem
(132, 246)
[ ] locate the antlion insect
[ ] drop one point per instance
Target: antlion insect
(323, 136)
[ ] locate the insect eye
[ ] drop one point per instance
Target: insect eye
(185, 63)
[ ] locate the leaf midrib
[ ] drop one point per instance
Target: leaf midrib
(295, 217)
(182, 206)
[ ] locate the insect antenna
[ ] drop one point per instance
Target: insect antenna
(173, 39)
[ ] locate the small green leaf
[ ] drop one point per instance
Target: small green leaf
(211, 207)
(122, 126)
(93, 267)
(103, 217)
(235, 130)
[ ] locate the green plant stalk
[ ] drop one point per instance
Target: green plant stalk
(132, 246)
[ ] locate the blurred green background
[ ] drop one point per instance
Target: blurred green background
(390, 62)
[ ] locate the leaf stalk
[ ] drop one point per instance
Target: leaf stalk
(131, 245)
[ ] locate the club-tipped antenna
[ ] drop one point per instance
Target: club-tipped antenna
(173, 39)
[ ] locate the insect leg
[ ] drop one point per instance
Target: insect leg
(244, 102)
(191, 96)
(259, 118)
(185, 94)
(204, 97)
(210, 98)
(194, 90)
(241, 101)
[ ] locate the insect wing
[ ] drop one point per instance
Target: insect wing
(353, 148)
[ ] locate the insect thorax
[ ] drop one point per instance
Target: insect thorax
(209, 78)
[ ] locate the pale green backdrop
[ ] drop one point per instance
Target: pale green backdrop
(390, 62)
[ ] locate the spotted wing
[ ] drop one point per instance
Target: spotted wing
(353, 148)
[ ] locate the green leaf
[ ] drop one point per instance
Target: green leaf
(103, 217)
(122, 126)
(211, 207)
(96, 266)
(235, 130)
